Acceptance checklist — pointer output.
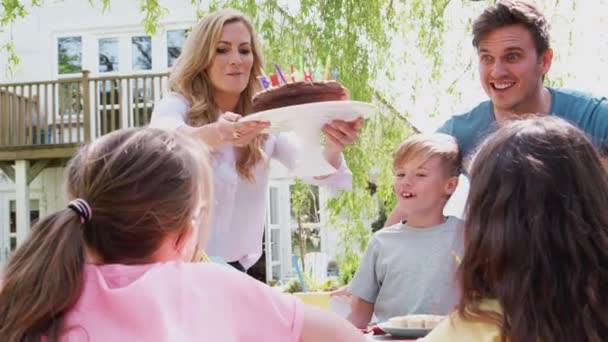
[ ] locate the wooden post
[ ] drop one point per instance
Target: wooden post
(22, 200)
(8, 169)
(4, 121)
(87, 106)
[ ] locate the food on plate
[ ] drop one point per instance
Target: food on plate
(416, 321)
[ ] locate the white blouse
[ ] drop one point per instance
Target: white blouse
(238, 219)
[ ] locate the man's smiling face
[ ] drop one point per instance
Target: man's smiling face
(510, 69)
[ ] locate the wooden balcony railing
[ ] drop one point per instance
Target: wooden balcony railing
(75, 110)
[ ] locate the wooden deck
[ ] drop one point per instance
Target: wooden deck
(51, 119)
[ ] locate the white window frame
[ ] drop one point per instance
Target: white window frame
(5, 214)
(283, 210)
(165, 43)
(55, 58)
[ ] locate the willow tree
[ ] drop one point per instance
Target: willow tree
(397, 54)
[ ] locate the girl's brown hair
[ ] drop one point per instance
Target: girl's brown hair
(190, 79)
(142, 184)
(537, 234)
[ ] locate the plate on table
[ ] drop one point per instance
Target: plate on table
(387, 327)
(290, 117)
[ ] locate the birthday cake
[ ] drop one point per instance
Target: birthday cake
(296, 93)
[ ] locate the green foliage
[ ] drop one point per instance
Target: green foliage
(11, 11)
(67, 65)
(152, 13)
(8, 49)
(105, 4)
(304, 201)
(312, 285)
(292, 286)
(348, 266)
(305, 210)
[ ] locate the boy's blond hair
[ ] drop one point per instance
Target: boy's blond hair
(421, 147)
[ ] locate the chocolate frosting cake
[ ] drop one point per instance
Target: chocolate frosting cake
(298, 93)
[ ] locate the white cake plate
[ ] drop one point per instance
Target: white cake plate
(289, 118)
(306, 121)
(395, 331)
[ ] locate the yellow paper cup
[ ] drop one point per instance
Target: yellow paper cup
(318, 299)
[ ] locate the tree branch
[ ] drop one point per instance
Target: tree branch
(466, 70)
(392, 109)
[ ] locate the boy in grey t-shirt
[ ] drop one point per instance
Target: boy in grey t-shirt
(409, 268)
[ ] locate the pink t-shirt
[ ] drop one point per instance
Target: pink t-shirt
(180, 302)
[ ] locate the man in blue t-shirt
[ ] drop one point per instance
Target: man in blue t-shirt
(512, 42)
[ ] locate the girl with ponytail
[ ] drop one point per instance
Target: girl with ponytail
(117, 263)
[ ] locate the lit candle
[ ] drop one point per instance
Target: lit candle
(335, 74)
(307, 76)
(293, 74)
(264, 82)
(326, 74)
(278, 69)
(318, 73)
(274, 79)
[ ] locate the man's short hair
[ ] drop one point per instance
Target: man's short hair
(421, 147)
(513, 12)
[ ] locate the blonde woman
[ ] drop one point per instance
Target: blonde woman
(212, 81)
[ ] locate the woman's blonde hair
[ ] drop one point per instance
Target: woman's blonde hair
(189, 78)
(142, 185)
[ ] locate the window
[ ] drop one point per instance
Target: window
(69, 55)
(275, 240)
(108, 54)
(34, 215)
(276, 272)
(141, 53)
(274, 205)
(175, 42)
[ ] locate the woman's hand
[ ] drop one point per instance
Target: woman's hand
(341, 133)
(234, 132)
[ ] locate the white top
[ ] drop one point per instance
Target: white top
(238, 219)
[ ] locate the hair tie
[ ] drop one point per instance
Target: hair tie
(82, 208)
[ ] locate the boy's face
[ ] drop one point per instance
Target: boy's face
(423, 189)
